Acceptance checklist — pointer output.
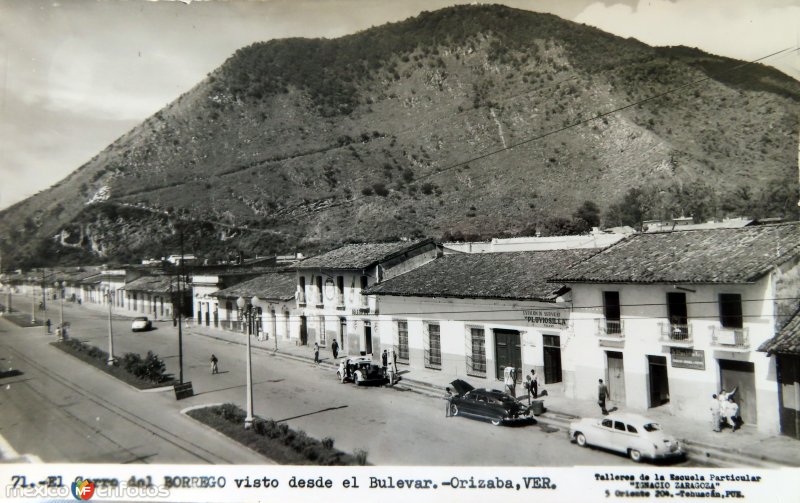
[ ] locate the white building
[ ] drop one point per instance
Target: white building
(329, 290)
(668, 319)
(597, 239)
(475, 314)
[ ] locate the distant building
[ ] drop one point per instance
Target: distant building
(597, 239)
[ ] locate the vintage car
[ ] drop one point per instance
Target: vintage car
(632, 434)
(494, 405)
(141, 323)
(361, 370)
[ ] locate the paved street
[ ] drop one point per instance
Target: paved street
(63, 410)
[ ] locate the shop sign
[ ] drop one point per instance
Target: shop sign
(688, 358)
(547, 318)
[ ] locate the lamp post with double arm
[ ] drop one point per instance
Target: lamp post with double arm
(247, 313)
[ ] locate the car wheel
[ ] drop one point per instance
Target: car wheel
(453, 409)
(497, 421)
(580, 439)
(635, 455)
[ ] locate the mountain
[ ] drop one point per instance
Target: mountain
(471, 120)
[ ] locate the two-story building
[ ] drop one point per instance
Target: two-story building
(475, 314)
(272, 295)
(669, 318)
(329, 289)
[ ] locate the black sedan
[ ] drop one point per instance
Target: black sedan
(491, 404)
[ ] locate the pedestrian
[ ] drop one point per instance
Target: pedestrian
(534, 384)
(731, 409)
(510, 380)
(47, 323)
(316, 352)
(335, 349)
(448, 397)
(384, 359)
(214, 368)
(58, 331)
(602, 393)
(714, 406)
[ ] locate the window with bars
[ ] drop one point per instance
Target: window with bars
(476, 352)
(402, 341)
(433, 347)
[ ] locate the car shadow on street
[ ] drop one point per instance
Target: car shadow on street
(327, 409)
(10, 373)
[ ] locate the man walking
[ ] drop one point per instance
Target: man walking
(335, 349)
(714, 407)
(602, 393)
(214, 369)
(316, 352)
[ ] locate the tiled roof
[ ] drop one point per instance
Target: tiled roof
(694, 256)
(360, 255)
(153, 284)
(276, 286)
(510, 275)
(788, 339)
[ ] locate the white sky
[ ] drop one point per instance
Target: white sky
(77, 74)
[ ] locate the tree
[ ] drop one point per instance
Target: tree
(588, 212)
(560, 226)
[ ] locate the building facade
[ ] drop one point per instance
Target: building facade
(668, 319)
(329, 290)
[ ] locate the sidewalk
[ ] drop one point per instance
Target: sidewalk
(745, 447)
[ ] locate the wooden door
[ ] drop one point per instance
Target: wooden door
(616, 377)
(740, 375)
(507, 351)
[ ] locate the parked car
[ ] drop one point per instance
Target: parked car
(636, 436)
(141, 323)
(346, 370)
(494, 405)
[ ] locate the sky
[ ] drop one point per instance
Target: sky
(78, 74)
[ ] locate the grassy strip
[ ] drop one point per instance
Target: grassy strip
(275, 440)
(23, 320)
(99, 359)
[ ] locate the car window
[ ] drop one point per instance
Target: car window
(652, 427)
(619, 426)
(606, 423)
(632, 429)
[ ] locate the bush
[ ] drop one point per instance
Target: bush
(275, 440)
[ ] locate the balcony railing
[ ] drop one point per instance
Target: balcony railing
(676, 332)
(610, 328)
(730, 338)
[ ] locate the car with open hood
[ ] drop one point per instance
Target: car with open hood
(494, 405)
(636, 436)
(361, 370)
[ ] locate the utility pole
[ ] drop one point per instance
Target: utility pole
(180, 310)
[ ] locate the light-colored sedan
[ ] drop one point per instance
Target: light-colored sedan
(141, 323)
(632, 434)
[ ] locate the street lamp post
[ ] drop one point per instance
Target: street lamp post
(110, 296)
(59, 288)
(247, 312)
(33, 306)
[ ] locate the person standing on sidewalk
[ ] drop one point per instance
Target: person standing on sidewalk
(214, 368)
(714, 407)
(335, 349)
(448, 396)
(534, 384)
(384, 359)
(510, 380)
(602, 393)
(316, 352)
(48, 325)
